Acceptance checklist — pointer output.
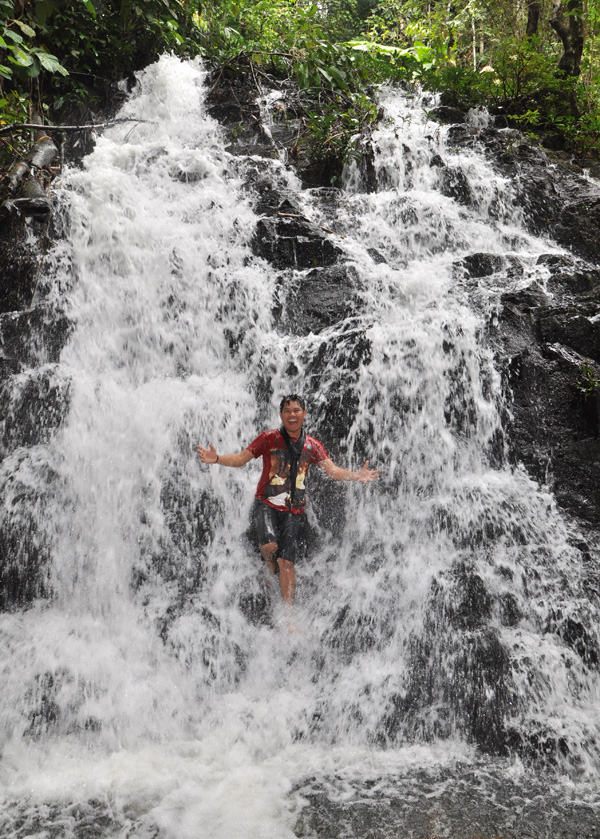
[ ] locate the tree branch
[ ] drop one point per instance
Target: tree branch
(28, 126)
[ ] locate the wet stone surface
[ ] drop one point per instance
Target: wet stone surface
(449, 804)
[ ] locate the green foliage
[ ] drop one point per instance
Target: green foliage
(289, 39)
(520, 71)
(346, 18)
(65, 53)
(479, 55)
(14, 108)
(332, 131)
(94, 42)
(23, 58)
(588, 383)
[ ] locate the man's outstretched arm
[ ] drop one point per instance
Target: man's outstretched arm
(364, 475)
(210, 455)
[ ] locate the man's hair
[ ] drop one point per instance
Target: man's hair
(292, 397)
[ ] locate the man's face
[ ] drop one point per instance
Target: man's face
(292, 417)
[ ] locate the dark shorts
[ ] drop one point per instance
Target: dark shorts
(279, 526)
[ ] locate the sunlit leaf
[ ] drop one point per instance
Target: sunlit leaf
(14, 36)
(325, 75)
(339, 78)
(25, 29)
(51, 63)
(23, 59)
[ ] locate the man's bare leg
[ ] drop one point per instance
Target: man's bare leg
(287, 580)
(268, 552)
(287, 573)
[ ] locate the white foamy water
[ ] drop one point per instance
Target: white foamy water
(156, 691)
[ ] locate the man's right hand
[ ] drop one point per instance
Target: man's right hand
(208, 455)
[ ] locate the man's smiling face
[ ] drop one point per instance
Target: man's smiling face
(292, 417)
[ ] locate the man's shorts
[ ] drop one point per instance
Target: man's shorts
(279, 526)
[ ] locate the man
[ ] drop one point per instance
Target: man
(279, 516)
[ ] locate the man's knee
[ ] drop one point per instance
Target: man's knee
(268, 551)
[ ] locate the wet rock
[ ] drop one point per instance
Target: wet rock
(546, 336)
(573, 330)
(455, 184)
(577, 226)
(33, 337)
(461, 136)
(256, 608)
(33, 406)
(288, 242)
(467, 603)
(336, 413)
(578, 632)
(24, 548)
(443, 801)
(232, 101)
(525, 299)
(365, 164)
(458, 683)
(319, 298)
(575, 283)
(555, 197)
(266, 189)
(460, 677)
(557, 439)
(45, 713)
(355, 632)
(18, 266)
(542, 747)
(448, 115)
(377, 257)
(96, 818)
(510, 611)
(479, 265)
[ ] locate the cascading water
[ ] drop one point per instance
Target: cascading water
(152, 690)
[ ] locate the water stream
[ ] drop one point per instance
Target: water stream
(154, 690)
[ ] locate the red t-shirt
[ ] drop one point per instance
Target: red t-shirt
(274, 484)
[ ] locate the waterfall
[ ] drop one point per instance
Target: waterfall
(150, 687)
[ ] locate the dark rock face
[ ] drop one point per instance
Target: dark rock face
(544, 340)
(18, 265)
(24, 551)
(288, 242)
(545, 335)
(232, 102)
(454, 184)
(556, 196)
(33, 403)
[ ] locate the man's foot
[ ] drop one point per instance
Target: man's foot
(290, 618)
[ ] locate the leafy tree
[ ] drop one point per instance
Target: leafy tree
(536, 60)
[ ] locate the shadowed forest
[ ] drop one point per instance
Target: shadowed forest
(535, 63)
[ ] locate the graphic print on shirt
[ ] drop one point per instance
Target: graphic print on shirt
(274, 485)
(279, 485)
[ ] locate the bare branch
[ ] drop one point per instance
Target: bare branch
(28, 126)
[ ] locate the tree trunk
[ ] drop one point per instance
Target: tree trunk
(567, 20)
(533, 18)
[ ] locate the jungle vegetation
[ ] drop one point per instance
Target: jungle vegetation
(535, 61)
